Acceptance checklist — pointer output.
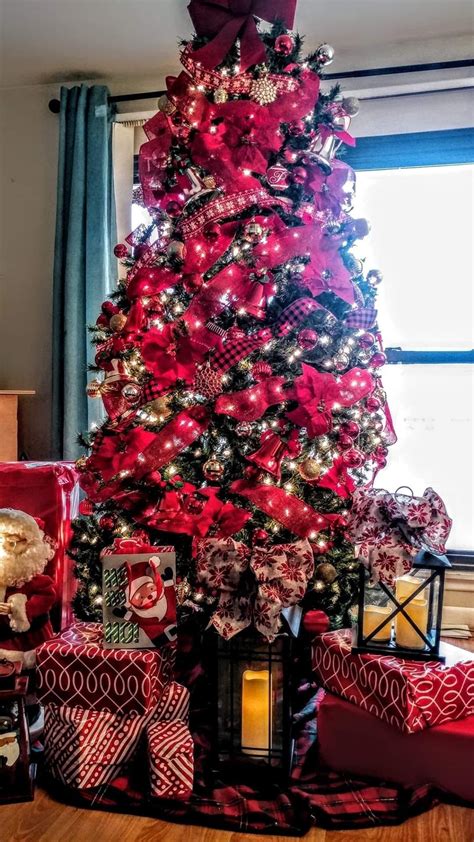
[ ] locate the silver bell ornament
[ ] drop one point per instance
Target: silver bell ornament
(351, 105)
(325, 54)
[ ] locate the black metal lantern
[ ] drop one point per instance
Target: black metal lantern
(404, 621)
(253, 692)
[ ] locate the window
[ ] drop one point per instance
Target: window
(421, 239)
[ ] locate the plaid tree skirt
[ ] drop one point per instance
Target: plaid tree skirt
(314, 797)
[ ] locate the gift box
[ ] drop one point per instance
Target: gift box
(50, 491)
(354, 742)
(406, 694)
(88, 748)
(74, 669)
(170, 756)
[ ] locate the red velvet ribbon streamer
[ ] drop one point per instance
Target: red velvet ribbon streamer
(181, 431)
(226, 20)
(250, 404)
(294, 514)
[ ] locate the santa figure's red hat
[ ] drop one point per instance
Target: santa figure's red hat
(142, 573)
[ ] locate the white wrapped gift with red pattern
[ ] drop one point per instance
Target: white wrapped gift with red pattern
(409, 695)
(88, 748)
(170, 746)
(85, 748)
(74, 669)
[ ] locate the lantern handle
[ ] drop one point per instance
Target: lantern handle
(398, 493)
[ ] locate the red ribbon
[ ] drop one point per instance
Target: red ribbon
(250, 404)
(226, 20)
(176, 436)
(290, 511)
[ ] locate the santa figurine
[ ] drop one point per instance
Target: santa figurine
(26, 594)
(151, 600)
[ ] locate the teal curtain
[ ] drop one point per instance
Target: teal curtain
(84, 265)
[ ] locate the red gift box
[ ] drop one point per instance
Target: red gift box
(74, 669)
(88, 748)
(407, 694)
(50, 491)
(354, 742)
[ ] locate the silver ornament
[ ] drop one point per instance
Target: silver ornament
(325, 54)
(131, 392)
(351, 105)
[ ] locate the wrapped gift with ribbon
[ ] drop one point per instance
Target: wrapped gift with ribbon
(389, 529)
(254, 585)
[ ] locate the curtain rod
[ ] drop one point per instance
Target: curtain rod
(54, 104)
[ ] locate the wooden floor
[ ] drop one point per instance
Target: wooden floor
(46, 820)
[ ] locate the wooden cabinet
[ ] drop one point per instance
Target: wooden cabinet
(9, 424)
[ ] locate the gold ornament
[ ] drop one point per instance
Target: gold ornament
(213, 470)
(220, 95)
(176, 250)
(81, 463)
(183, 590)
(326, 572)
(160, 407)
(263, 90)
(209, 181)
(253, 232)
(309, 469)
(165, 105)
(117, 322)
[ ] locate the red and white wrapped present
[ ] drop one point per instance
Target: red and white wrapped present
(74, 669)
(409, 695)
(88, 748)
(49, 491)
(170, 745)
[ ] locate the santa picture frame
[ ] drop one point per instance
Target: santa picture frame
(139, 599)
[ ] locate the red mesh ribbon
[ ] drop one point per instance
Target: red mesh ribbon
(229, 205)
(287, 509)
(250, 404)
(185, 428)
(226, 20)
(281, 573)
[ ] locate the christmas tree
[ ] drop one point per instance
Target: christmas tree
(240, 359)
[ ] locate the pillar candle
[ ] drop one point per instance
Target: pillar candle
(417, 609)
(256, 712)
(373, 616)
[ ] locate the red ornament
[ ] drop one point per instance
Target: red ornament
(260, 536)
(366, 340)
(377, 360)
(290, 155)
(353, 458)
(107, 523)
(299, 175)
(109, 308)
(284, 45)
(154, 478)
(296, 128)
(121, 251)
(373, 404)
(260, 371)
(307, 339)
(173, 209)
(194, 505)
(350, 428)
(278, 177)
(212, 232)
(192, 283)
(315, 622)
(345, 442)
(86, 507)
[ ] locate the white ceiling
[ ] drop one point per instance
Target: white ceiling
(47, 41)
